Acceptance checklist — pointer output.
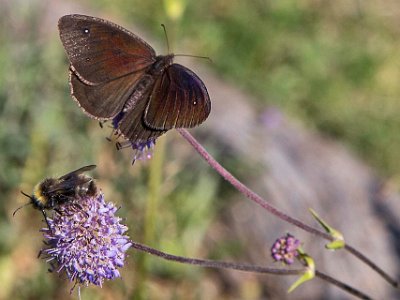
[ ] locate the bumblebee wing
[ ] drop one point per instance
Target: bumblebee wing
(73, 174)
(65, 186)
(68, 185)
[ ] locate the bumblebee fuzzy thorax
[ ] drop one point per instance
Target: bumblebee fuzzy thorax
(40, 196)
(53, 193)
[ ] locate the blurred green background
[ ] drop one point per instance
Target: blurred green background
(331, 65)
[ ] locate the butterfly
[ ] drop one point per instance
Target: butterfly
(115, 75)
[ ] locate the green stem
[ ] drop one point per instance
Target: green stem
(153, 196)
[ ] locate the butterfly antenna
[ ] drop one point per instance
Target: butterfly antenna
(196, 56)
(29, 203)
(166, 37)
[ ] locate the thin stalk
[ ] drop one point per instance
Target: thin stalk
(342, 285)
(264, 204)
(154, 184)
(216, 264)
(245, 268)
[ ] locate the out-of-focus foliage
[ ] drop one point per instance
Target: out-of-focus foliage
(333, 65)
(44, 133)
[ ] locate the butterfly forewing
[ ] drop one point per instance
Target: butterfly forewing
(179, 99)
(100, 51)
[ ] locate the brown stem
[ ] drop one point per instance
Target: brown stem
(245, 268)
(216, 264)
(263, 203)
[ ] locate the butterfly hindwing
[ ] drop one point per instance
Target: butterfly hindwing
(133, 127)
(179, 99)
(103, 101)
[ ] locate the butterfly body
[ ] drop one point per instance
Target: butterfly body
(115, 75)
(146, 82)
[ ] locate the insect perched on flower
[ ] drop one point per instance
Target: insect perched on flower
(115, 75)
(51, 193)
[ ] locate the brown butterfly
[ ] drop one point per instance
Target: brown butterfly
(115, 75)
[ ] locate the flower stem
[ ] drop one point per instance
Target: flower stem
(373, 266)
(247, 191)
(342, 285)
(215, 264)
(153, 196)
(263, 203)
(245, 268)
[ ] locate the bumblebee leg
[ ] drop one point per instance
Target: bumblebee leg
(40, 253)
(45, 218)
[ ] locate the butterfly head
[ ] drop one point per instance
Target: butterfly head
(162, 62)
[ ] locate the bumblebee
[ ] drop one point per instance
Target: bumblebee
(51, 193)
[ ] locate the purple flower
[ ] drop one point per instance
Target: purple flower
(143, 150)
(285, 249)
(86, 241)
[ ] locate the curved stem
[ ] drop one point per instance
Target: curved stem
(263, 203)
(216, 264)
(342, 285)
(247, 191)
(373, 266)
(245, 268)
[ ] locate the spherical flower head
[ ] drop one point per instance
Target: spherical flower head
(285, 249)
(86, 240)
(143, 150)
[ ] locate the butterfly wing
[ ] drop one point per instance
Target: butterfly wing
(132, 125)
(106, 100)
(179, 99)
(107, 61)
(100, 51)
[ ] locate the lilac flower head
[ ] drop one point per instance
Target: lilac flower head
(285, 249)
(142, 150)
(86, 240)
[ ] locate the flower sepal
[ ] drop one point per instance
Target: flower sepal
(308, 274)
(338, 238)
